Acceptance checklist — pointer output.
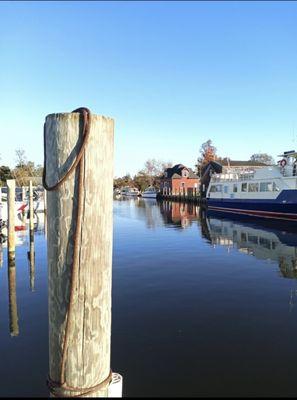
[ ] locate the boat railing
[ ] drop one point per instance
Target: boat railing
(232, 177)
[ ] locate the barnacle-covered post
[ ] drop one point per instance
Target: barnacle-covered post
(78, 178)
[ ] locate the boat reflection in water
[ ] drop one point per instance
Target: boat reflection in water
(265, 240)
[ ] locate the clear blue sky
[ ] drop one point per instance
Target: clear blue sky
(171, 74)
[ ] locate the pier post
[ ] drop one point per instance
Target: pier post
(79, 240)
(31, 236)
(31, 208)
(44, 201)
(11, 218)
(23, 193)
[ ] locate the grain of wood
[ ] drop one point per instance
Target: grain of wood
(88, 356)
(11, 217)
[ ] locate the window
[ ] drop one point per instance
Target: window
(265, 243)
(225, 189)
(275, 187)
(266, 187)
(215, 188)
(253, 187)
(244, 187)
(235, 188)
(243, 237)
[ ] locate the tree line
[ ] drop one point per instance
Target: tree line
(23, 171)
(208, 153)
(149, 175)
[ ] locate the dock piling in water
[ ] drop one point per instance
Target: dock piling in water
(79, 236)
(11, 218)
(13, 311)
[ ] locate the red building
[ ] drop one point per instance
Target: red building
(179, 180)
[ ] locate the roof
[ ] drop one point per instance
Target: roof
(175, 172)
(238, 163)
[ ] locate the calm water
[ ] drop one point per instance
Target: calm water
(201, 306)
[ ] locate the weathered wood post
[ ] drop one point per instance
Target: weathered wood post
(1, 256)
(1, 249)
(31, 208)
(13, 310)
(31, 236)
(44, 201)
(79, 220)
(23, 193)
(11, 218)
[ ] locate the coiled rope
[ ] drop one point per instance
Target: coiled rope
(55, 387)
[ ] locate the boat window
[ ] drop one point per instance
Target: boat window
(243, 237)
(213, 188)
(253, 187)
(235, 187)
(266, 187)
(265, 243)
(244, 187)
(275, 187)
(253, 239)
(225, 189)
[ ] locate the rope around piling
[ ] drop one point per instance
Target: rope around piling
(55, 387)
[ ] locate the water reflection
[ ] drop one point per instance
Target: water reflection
(150, 210)
(13, 310)
(265, 240)
(179, 214)
(31, 258)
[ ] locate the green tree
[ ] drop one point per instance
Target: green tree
(208, 152)
(263, 158)
(5, 173)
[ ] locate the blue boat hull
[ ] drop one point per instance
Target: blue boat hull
(283, 207)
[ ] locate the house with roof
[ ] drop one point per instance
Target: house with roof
(179, 180)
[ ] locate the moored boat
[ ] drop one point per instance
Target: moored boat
(130, 191)
(268, 192)
(149, 192)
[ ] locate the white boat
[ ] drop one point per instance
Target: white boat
(21, 211)
(267, 192)
(149, 192)
(130, 191)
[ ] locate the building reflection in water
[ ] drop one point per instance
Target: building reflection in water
(179, 214)
(266, 240)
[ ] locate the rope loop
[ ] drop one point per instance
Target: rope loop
(55, 386)
(86, 133)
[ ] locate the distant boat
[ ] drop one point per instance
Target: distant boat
(133, 192)
(150, 192)
(21, 210)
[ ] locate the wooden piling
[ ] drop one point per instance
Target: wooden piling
(79, 326)
(23, 193)
(31, 208)
(13, 310)
(1, 255)
(11, 218)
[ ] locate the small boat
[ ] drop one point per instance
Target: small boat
(133, 192)
(149, 192)
(130, 191)
(268, 192)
